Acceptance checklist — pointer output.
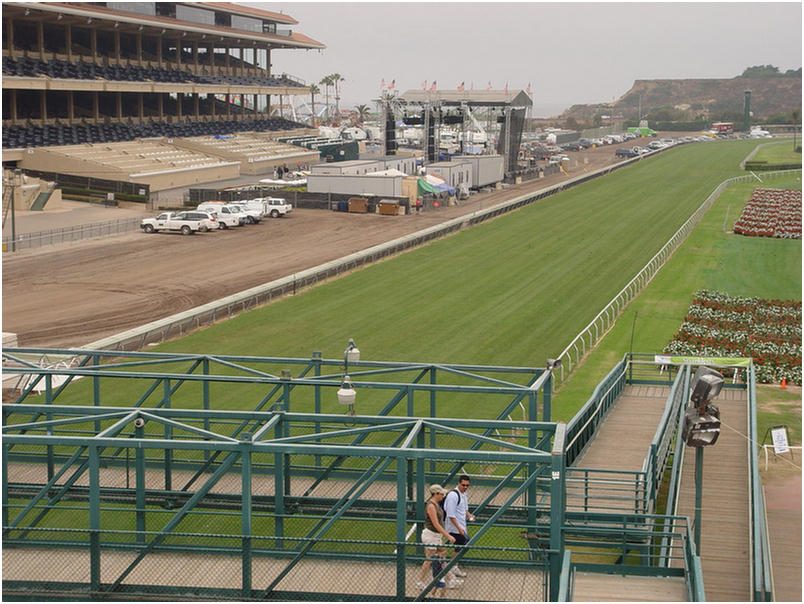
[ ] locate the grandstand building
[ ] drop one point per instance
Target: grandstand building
(80, 78)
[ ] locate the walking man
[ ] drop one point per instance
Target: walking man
(456, 506)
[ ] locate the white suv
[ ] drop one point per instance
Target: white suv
(275, 206)
(226, 216)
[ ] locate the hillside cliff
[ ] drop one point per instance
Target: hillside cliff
(700, 99)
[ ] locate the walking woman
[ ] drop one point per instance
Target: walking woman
(432, 535)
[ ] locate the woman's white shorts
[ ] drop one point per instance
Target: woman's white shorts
(431, 538)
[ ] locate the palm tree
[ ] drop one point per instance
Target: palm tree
(314, 90)
(363, 112)
(326, 81)
(336, 78)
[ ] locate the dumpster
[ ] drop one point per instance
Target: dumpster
(388, 207)
(358, 205)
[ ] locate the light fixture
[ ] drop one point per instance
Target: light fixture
(553, 364)
(702, 418)
(352, 353)
(347, 394)
(701, 429)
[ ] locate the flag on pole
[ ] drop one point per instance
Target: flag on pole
(382, 84)
(506, 88)
(462, 87)
(434, 87)
(392, 85)
(424, 85)
(472, 86)
(489, 86)
(528, 88)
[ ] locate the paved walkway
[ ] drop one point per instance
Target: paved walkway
(725, 543)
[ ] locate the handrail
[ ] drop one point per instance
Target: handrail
(598, 326)
(654, 463)
(603, 396)
(762, 586)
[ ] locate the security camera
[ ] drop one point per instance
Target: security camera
(139, 422)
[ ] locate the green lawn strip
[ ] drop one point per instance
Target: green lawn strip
(708, 259)
(509, 292)
(778, 407)
(778, 153)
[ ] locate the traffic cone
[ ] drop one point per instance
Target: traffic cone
(784, 383)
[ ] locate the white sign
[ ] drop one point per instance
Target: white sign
(779, 436)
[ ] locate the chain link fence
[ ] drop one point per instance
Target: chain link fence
(27, 241)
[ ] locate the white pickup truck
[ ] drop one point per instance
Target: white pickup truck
(172, 221)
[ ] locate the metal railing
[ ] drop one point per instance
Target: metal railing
(597, 327)
(628, 545)
(762, 586)
(26, 241)
(582, 427)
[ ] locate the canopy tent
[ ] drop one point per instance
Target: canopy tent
(436, 189)
(439, 183)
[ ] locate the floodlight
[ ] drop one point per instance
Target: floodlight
(346, 395)
(701, 429)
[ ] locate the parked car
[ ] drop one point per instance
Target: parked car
(252, 216)
(172, 221)
(656, 145)
(208, 220)
(226, 217)
(626, 153)
(275, 207)
(571, 146)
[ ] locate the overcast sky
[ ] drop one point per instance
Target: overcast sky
(569, 52)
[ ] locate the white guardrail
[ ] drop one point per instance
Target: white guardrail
(591, 334)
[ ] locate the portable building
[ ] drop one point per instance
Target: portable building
(354, 167)
(486, 169)
(384, 185)
(454, 173)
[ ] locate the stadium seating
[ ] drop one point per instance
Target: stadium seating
(85, 70)
(38, 136)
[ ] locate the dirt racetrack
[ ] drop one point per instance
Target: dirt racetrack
(71, 295)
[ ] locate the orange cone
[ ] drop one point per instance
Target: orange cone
(784, 383)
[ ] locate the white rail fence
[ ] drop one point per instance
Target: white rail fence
(571, 356)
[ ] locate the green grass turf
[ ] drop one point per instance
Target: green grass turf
(513, 291)
(709, 259)
(779, 153)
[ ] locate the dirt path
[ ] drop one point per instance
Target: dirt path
(73, 294)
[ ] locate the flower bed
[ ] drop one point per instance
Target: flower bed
(771, 213)
(767, 330)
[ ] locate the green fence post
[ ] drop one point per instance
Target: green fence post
(168, 436)
(96, 396)
(5, 485)
(401, 513)
(433, 411)
(558, 495)
(279, 488)
(245, 516)
(547, 400)
(49, 417)
(205, 398)
(317, 356)
(94, 520)
(139, 469)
